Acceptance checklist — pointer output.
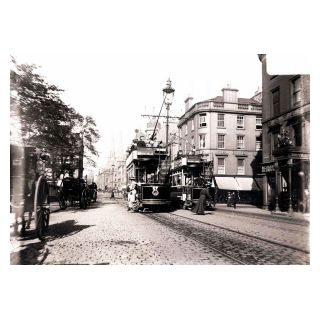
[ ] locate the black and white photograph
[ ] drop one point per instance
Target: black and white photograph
(222, 179)
(158, 161)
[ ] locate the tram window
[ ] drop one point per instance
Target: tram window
(140, 174)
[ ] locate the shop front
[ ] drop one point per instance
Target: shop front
(247, 188)
(286, 184)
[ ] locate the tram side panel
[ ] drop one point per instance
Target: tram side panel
(154, 195)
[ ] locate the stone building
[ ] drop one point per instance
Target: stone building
(226, 130)
(286, 151)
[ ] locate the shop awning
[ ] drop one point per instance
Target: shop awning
(227, 183)
(247, 184)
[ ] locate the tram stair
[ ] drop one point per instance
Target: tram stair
(207, 172)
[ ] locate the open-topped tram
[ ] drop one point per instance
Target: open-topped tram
(148, 171)
(148, 164)
(190, 173)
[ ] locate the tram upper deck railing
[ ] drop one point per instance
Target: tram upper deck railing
(140, 152)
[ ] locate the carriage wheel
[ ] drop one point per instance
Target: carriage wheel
(83, 200)
(88, 197)
(41, 207)
(94, 198)
(62, 201)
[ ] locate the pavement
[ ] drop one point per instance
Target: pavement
(250, 210)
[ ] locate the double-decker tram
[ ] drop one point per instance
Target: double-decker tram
(148, 172)
(190, 173)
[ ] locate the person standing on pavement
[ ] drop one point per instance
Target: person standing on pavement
(234, 199)
(229, 200)
(202, 201)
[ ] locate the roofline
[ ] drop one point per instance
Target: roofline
(213, 99)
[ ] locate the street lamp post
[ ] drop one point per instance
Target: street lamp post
(81, 155)
(302, 195)
(290, 163)
(104, 180)
(81, 151)
(168, 93)
(276, 209)
(112, 176)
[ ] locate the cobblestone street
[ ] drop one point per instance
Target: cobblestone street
(107, 233)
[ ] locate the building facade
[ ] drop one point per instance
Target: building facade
(286, 151)
(225, 130)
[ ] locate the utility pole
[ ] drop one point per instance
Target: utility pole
(168, 93)
(81, 155)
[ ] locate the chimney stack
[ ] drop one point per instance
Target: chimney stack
(188, 103)
(230, 95)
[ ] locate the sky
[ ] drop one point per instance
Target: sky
(117, 88)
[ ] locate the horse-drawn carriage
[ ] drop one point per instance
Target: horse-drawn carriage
(74, 191)
(93, 191)
(29, 191)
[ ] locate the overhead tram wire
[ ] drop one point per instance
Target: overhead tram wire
(155, 127)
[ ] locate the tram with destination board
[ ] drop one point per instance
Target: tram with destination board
(148, 172)
(190, 173)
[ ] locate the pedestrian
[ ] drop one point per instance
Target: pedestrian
(234, 199)
(132, 198)
(112, 194)
(229, 199)
(202, 201)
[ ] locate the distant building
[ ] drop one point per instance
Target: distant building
(113, 175)
(226, 130)
(286, 151)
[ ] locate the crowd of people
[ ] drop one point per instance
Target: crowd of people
(232, 199)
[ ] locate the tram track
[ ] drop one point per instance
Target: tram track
(245, 234)
(236, 246)
(185, 234)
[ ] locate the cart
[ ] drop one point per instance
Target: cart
(92, 190)
(29, 191)
(74, 191)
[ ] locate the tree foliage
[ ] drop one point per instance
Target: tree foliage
(47, 122)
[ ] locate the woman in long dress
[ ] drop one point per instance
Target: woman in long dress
(201, 203)
(131, 198)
